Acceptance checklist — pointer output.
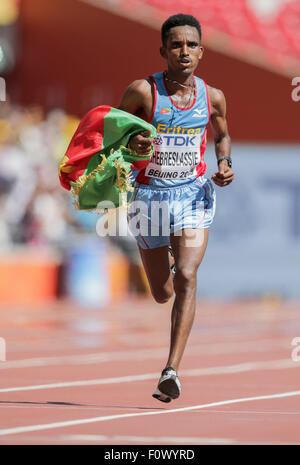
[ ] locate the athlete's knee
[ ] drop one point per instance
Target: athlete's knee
(185, 279)
(162, 296)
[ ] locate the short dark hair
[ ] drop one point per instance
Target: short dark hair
(178, 20)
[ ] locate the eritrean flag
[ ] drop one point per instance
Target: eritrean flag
(97, 165)
(164, 111)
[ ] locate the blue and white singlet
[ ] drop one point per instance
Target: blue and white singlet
(179, 147)
(171, 194)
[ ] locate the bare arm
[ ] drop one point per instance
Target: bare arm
(224, 175)
(137, 100)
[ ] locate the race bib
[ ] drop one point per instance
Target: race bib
(175, 156)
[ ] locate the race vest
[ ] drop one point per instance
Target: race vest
(181, 136)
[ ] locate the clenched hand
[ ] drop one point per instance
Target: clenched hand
(224, 175)
(141, 143)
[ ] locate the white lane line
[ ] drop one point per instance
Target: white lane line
(210, 371)
(258, 412)
(84, 421)
(150, 440)
(147, 354)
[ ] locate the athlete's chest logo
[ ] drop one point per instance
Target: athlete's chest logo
(200, 113)
(165, 111)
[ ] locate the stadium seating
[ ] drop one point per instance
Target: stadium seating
(277, 33)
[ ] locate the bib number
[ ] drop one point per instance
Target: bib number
(175, 156)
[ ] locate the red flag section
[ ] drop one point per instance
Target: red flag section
(86, 141)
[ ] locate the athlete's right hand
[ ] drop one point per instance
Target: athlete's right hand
(142, 143)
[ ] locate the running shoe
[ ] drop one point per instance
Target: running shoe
(160, 396)
(168, 387)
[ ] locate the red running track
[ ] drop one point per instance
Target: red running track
(77, 376)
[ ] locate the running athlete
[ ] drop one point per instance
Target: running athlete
(180, 106)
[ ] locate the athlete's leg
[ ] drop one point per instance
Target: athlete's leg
(157, 268)
(188, 250)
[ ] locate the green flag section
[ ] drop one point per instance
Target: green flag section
(97, 165)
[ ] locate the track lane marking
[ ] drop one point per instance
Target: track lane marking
(210, 371)
(151, 440)
(62, 424)
(149, 354)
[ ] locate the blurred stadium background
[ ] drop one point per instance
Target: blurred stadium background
(63, 57)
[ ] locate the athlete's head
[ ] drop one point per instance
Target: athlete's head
(181, 44)
(179, 20)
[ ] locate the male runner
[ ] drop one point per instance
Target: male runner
(180, 106)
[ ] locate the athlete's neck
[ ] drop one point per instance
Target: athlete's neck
(183, 82)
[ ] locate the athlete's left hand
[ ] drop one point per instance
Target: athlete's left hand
(224, 175)
(142, 143)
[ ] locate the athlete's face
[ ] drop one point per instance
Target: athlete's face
(183, 49)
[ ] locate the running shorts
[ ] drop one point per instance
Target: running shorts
(154, 213)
